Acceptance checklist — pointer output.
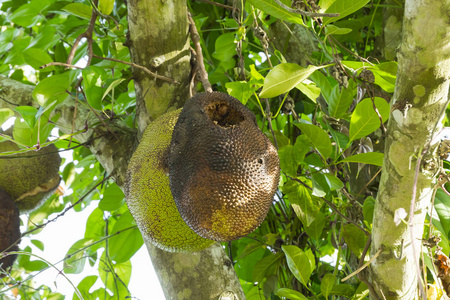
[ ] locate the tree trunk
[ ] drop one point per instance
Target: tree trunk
(159, 40)
(419, 103)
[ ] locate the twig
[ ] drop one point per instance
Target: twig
(364, 266)
(55, 63)
(139, 67)
(198, 49)
(269, 120)
(68, 208)
(305, 13)
(217, 4)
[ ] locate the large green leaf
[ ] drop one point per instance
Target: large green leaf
(340, 101)
(266, 267)
(326, 286)
(106, 6)
(299, 262)
(284, 77)
(36, 58)
(365, 120)
(28, 113)
(85, 286)
(370, 158)
(78, 9)
(318, 137)
(74, 264)
(52, 89)
(355, 238)
(290, 294)
(344, 8)
(270, 7)
(304, 204)
(113, 198)
(442, 206)
(93, 78)
(29, 14)
(315, 229)
(132, 238)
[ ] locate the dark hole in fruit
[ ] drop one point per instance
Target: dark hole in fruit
(223, 115)
(260, 161)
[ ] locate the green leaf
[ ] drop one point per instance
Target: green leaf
(299, 263)
(106, 6)
(310, 90)
(111, 280)
(74, 264)
(113, 198)
(346, 290)
(385, 73)
(442, 206)
(78, 9)
(344, 8)
(85, 286)
(131, 237)
(112, 86)
(35, 265)
(331, 29)
(334, 182)
(266, 267)
(339, 101)
(287, 160)
(320, 185)
(290, 294)
(240, 90)
(39, 244)
(284, 77)
(316, 228)
(93, 78)
(365, 120)
(327, 284)
(368, 209)
(270, 7)
(318, 137)
(302, 202)
(5, 114)
(36, 58)
(29, 14)
(355, 238)
(370, 158)
(28, 113)
(51, 89)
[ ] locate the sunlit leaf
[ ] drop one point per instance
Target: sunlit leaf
(106, 6)
(266, 267)
(368, 209)
(51, 89)
(318, 137)
(270, 7)
(331, 29)
(370, 158)
(76, 257)
(299, 263)
(284, 77)
(290, 294)
(123, 235)
(113, 198)
(5, 114)
(344, 8)
(28, 113)
(365, 120)
(79, 9)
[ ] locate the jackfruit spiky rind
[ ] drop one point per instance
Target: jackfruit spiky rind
(223, 170)
(30, 178)
(148, 193)
(10, 230)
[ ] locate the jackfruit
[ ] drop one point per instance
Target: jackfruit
(148, 194)
(10, 230)
(30, 177)
(223, 170)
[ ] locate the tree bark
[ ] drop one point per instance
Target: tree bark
(419, 103)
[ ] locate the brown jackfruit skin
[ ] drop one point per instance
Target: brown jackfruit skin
(32, 178)
(223, 170)
(10, 230)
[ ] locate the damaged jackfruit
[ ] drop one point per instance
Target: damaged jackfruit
(223, 170)
(30, 177)
(148, 194)
(10, 231)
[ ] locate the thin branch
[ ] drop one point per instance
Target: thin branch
(198, 49)
(217, 4)
(55, 63)
(139, 67)
(305, 13)
(364, 266)
(68, 208)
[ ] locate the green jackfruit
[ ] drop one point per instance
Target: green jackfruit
(223, 170)
(30, 177)
(148, 194)
(10, 230)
